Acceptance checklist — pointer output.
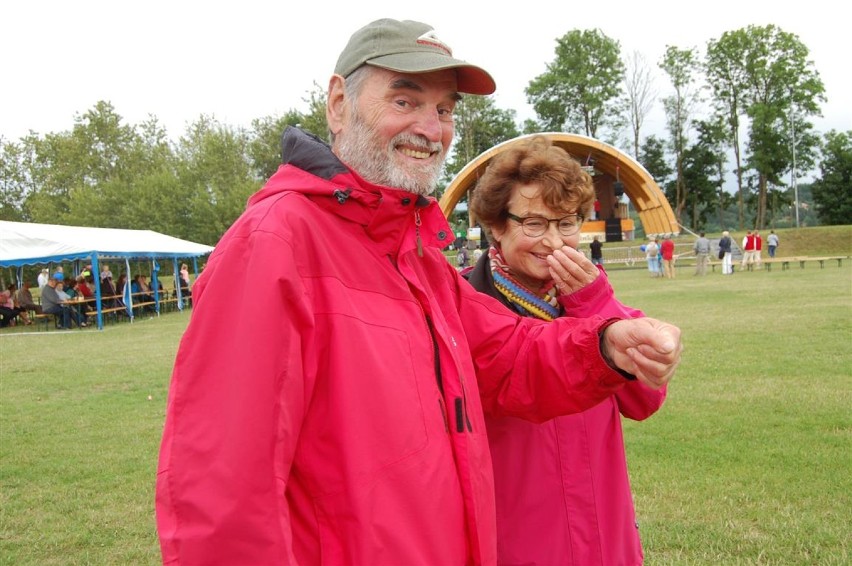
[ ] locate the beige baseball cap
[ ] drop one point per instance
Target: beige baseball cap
(409, 47)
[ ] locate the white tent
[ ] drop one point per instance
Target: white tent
(29, 244)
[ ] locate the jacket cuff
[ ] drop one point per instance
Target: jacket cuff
(609, 362)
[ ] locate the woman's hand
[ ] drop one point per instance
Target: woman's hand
(571, 270)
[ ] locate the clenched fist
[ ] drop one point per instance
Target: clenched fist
(645, 347)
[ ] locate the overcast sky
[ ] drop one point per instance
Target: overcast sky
(243, 60)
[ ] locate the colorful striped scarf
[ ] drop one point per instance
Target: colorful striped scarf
(545, 307)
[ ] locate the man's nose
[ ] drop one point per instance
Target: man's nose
(429, 124)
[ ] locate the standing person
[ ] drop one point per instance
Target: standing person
(758, 247)
(350, 427)
(702, 254)
(562, 487)
(772, 242)
(185, 287)
(597, 207)
(652, 250)
(43, 277)
(667, 253)
(725, 244)
(462, 258)
(748, 251)
(597, 251)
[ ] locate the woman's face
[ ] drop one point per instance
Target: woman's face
(525, 255)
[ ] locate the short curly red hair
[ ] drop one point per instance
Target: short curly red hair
(563, 185)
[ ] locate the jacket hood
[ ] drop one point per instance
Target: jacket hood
(310, 168)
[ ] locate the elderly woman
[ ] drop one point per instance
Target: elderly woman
(562, 489)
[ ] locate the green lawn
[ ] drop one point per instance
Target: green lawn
(748, 462)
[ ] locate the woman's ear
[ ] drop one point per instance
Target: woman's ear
(335, 110)
(497, 233)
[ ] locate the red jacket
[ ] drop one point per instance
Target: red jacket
(667, 249)
(562, 489)
(327, 399)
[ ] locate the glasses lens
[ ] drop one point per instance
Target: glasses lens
(535, 226)
(569, 225)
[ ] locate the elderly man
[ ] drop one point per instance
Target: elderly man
(53, 303)
(339, 418)
(701, 247)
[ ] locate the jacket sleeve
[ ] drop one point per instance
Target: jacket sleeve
(510, 352)
(635, 400)
(236, 401)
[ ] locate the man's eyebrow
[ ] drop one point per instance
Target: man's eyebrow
(408, 84)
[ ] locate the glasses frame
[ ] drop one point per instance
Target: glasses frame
(523, 219)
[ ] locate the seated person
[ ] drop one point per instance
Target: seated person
(24, 298)
(74, 290)
(83, 287)
(142, 292)
(52, 302)
(69, 287)
(8, 311)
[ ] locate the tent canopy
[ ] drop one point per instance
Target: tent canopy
(27, 244)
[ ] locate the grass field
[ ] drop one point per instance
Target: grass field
(748, 462)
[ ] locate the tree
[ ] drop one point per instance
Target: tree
(727, 79)
(69, 171)
(580, 90)
(638, 86)
(680, 65)
(265, 141)
(12, 182)
(652, 156)
(479, 126)
(703, 174)
(216, 174)
(832, 191)
(764, 73)
(265, 145)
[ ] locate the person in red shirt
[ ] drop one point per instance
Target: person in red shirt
(758, 246)
(83, 287)
(749, 243)
(667, 251)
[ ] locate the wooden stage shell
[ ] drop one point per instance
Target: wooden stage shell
(609, 163)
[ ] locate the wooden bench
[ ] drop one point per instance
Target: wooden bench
(786, 261)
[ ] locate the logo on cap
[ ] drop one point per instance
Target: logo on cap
(431, 39)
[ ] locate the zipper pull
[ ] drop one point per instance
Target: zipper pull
(417, 231)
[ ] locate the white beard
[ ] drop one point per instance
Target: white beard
(360, 148)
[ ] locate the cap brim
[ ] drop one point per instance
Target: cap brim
(471, 79)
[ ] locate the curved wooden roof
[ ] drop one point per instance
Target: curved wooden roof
(653, 208)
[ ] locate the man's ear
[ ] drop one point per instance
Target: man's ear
(335, 109)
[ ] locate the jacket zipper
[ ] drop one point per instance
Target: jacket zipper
(417, 223)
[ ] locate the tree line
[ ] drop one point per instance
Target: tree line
(743, 106)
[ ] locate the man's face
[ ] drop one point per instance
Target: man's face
(398, 131)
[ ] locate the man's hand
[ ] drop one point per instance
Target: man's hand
(645, 347)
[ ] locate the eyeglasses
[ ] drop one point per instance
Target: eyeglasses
(535, 226)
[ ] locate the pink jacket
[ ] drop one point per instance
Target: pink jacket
(563, 493)
(333, 412)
